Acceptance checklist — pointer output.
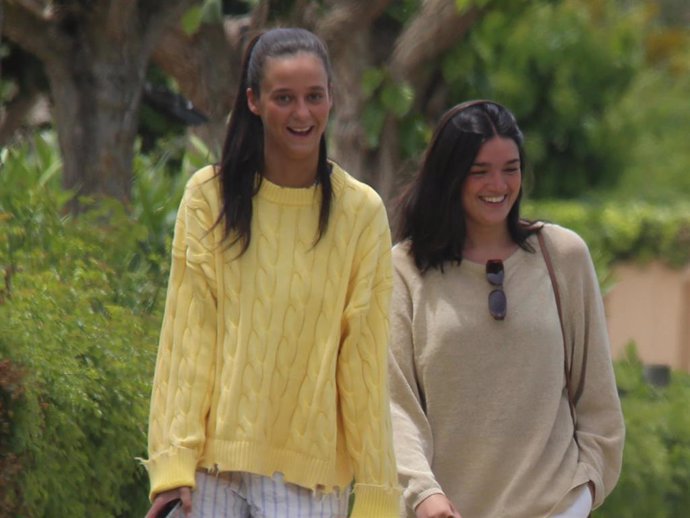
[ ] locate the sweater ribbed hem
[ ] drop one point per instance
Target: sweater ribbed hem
(262, 459)
(376, 502)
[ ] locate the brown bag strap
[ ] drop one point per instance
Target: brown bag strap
(568, 371)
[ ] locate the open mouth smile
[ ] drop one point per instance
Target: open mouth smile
(301, 132)
(494, 199)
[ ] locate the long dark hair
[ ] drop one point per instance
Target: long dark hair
(430, 210)
(242, 159)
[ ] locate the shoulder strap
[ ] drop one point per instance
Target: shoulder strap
(554, 284)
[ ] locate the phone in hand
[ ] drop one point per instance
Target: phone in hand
(171, 509)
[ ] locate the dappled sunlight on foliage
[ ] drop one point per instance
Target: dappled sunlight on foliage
(560, 66)
(655, 480)
(80, 314)
(616, 231)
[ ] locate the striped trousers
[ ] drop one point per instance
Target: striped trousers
(246, 495)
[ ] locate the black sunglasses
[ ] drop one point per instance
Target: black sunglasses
(497, 298)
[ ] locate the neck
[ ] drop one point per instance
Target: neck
(300, 173)
(484, 243)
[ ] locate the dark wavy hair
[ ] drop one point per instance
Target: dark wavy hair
(242, 158)
(430, 211)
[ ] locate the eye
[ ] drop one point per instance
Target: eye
(511, 170)
(315, 97)
(477, 172)
(283, 99)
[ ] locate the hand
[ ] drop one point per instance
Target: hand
(437, 506)
(181, 493)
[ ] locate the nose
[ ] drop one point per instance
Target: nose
(301, 109)
(496, 180)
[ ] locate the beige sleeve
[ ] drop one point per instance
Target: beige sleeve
(412, 435)
(600, 427)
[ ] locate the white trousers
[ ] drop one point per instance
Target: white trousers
(581, 507)
(245, 495)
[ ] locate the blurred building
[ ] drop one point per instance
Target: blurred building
(650, 305)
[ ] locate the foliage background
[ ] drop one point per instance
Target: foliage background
(600, 89)
(80, 312)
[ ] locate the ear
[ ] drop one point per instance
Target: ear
(251, 102)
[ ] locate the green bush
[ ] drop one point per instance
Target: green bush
(82, 417)
(79, 319)
(80, 308)
(655, 480)
(615, 232)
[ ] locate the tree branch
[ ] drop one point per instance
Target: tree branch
(346, 17)
(36, 7)
(437, 27)
(15, 114)
(33, 30)
(159, 17)
(206, 67)
(119, 17)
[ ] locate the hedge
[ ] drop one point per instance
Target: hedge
(80, 307)
(79, 317)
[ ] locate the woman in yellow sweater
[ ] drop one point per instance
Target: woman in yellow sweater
(269, 397)
(481, 404)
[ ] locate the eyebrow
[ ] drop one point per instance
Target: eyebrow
(485, 164)
(313, 88)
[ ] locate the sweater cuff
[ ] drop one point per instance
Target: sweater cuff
(599, 491)
(376, 501)
(171, 469)
(419, 498)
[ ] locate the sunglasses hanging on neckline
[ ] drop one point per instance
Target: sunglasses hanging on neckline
(498, 304)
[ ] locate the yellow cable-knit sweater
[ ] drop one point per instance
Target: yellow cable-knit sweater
(275, 361)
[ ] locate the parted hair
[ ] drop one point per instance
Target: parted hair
(242, 158)
(430, 210)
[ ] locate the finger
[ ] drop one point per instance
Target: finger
(155, 508)
(186, 497)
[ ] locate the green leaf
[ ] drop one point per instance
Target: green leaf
(463, 5)
(212, 11)
(372, 120)
(397, 98)
(371, 80)
(191, 20)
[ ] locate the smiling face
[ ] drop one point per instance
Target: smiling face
(492, 185)
(293, 103)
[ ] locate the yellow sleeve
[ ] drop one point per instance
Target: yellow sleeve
(362, 375)
(184, 375)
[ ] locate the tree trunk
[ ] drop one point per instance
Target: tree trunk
(14, 113)
(436, 27)
(97, 116)
(206, 67)
(347, 30)
(95, 56)
(347, 137)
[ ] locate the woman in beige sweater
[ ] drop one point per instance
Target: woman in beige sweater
(481, 406)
